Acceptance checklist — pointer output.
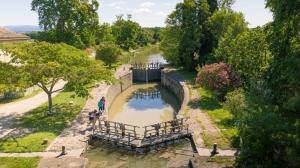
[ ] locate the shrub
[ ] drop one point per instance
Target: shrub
(235, 102)
(218, 77)
(108, 53)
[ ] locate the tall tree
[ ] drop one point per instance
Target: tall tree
(225, 26)
(284, 76)
(44, 64)
(73, 22)
(126, 33)
(190, 19)
(249, 55)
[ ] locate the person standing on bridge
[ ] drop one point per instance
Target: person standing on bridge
(101, 105)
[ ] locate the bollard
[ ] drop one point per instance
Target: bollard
(190, 165)
(63, 150)
(215, 150)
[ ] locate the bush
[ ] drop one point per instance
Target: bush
(218, 77)
(108, 53)
(235, 102)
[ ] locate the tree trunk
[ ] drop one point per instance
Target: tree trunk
(50, 106)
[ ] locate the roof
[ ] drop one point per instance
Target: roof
(10, 36)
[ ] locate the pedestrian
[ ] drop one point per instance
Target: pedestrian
(101, 105)
(92, 117)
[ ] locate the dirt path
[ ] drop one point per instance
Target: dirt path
(9, 112)
(201, 124)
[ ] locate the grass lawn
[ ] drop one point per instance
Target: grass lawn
(19, 162)
(44, 126)
(221, 117)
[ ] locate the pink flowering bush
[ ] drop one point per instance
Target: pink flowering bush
(217, 77)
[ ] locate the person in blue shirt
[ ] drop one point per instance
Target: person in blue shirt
(101, 105)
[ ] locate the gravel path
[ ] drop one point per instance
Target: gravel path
(9, 112)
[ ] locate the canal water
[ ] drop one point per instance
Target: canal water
(141, 105)
(144, 104)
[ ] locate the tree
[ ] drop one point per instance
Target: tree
(170, 38)
(283, 75)
(225, 26)
(126, 32)
(104, 34)
(44, 64)
(190, 19)
(108, 53)
(73, 22)
(248, 54)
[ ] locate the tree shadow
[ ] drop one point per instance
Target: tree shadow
(39, 121)
(204, 103)
(228, 122)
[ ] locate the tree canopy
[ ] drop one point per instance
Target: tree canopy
(44, 64)
(73, 22)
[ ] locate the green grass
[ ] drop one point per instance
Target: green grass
(221, 117)
(18, 162)
(220, 159)
(44, 126)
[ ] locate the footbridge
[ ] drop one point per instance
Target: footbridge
(135, 137)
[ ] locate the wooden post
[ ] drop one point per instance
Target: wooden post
(128, 139)
(134, 131)
(100, 125)
(145, 133)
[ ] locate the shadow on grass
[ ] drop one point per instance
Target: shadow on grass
(204, 103)
(39, 121)
(227, 123)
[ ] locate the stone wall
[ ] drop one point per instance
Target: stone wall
(113, 91)
(178, 87)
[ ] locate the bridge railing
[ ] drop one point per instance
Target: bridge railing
(120, 130)
(146, 66)
(166, 128)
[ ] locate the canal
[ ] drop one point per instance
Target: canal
(142, 104)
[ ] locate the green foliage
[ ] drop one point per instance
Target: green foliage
(283, 76)
(19, 162)
(225, 25)
(170, 43)
(126, 33)
(104, 34)
(235, 102)
(194, 40)
(44, 64)
(264, 141)
(217, 77)
(108, 53)
(72, 22)
(248, 54)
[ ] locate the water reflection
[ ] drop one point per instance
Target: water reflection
(144, 104)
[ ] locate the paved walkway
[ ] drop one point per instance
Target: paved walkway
(9, 112)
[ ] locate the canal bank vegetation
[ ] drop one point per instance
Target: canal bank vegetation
(19, 162)
(252, 73)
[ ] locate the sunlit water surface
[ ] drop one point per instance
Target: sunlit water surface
(144, 104)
